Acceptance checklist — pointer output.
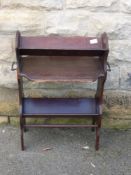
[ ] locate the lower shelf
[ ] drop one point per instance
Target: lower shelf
(60, 106)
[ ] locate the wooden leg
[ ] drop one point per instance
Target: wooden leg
(97, 138)
(98, 133)
(8, 119)
(93, 123)
(22, 133)
(24, 121)
(22, 140)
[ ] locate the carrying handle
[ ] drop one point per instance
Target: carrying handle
(14, 66)
(109, 68)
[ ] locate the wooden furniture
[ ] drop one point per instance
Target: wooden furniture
(61, 59)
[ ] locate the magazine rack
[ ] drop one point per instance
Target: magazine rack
(61, 59)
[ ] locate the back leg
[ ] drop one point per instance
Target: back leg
(22, 133)
(98, 133)
(24, 122)
(93, 123)
(8, 119)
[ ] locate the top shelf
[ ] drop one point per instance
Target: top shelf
(57, 45)
(61, 43)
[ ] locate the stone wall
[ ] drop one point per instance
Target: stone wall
(69, 18)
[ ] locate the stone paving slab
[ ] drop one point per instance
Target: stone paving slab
(66, 155)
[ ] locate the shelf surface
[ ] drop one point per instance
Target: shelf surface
(60, 106)
(61, 68)
(61, 43)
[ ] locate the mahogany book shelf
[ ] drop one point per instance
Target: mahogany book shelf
(62, 59)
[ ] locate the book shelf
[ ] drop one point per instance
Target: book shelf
(62, 59)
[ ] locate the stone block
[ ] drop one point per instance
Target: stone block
(59, 85)
(125, 6)
(112, 81)
(119, 98)
(95, 5)
(125, 77)
(6, 49)
(7, 77)
(120, 51)
(25, 20)
(82, 22)
(65, 23)
(58, 93)
(35, 4)
(9, 102)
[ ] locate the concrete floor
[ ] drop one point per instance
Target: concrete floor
(66, 155)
